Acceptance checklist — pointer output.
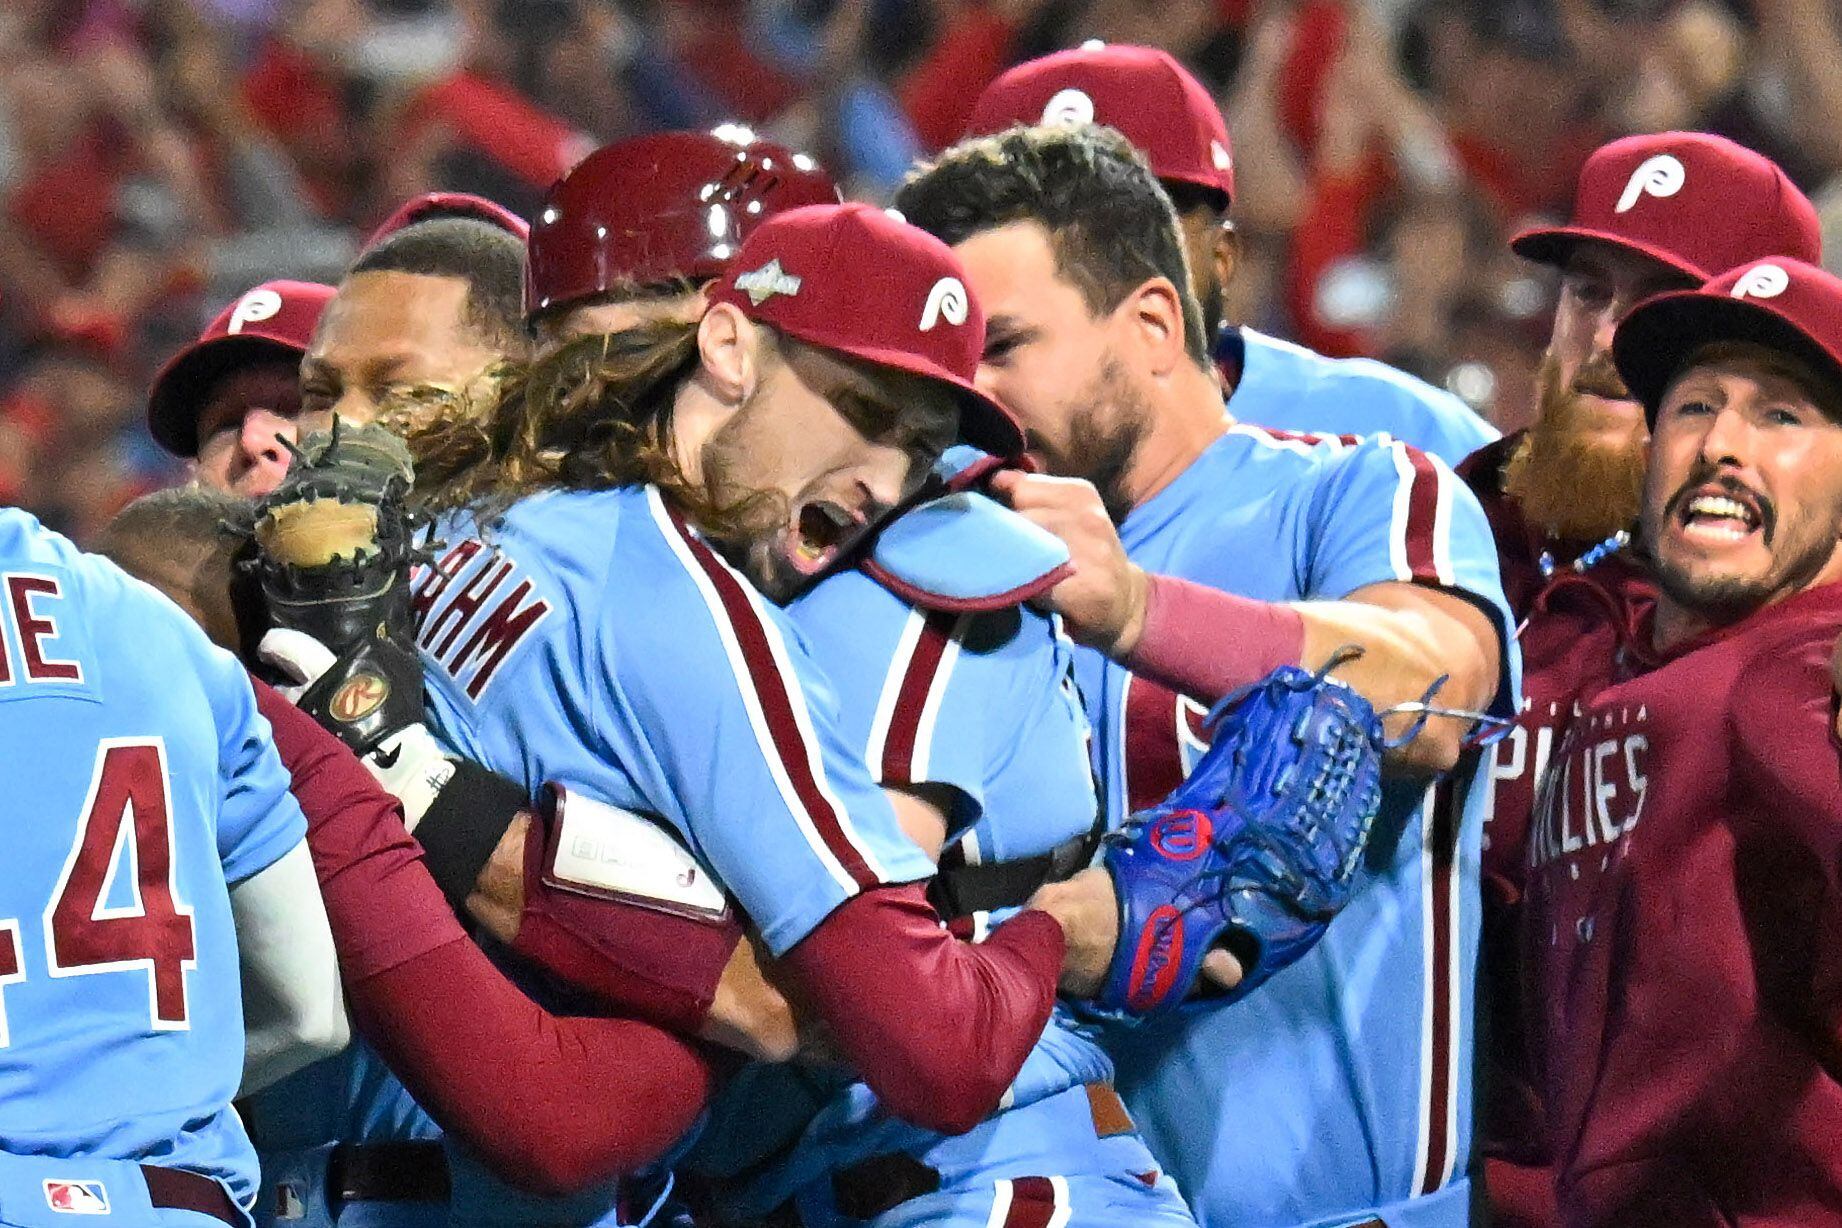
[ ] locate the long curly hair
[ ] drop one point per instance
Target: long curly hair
(593, 414)
(597, 414)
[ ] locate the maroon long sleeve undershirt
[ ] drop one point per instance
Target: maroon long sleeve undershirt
(936, 1026)
(550, 1104)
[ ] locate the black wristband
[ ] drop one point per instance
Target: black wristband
(464, 825)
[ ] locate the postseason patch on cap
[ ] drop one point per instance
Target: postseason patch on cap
(765, 282)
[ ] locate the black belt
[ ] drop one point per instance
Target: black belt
(386, 1172)
(175, 1189)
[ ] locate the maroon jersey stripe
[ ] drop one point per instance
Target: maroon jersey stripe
(1032, 1203)
(772, 692)
(923, 666)
(1422, 515)
(1442, 834)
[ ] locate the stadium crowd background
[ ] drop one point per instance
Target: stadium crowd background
(157, 157)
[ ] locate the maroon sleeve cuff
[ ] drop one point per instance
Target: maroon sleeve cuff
(1203, 642)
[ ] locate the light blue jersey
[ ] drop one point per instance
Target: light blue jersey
(593, 639)
(138, 784)
(1287, 387)
(1342, 1088)
(984, 705)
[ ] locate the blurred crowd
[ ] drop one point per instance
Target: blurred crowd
(158, 157)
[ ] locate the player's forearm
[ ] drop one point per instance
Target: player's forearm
(882, 961)
(1205, 643)
(552, 1105)
(1408, 645)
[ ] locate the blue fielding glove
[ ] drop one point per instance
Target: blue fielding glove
(1256, 851)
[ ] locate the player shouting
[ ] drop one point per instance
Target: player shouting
(1272, 551)
(1682, 901)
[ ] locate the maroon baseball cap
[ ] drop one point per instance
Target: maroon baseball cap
(669, 205)
(858, 280)
(1783, 304)
(1143, 92)
(1696, 202)
(431, 205)
(274, 320)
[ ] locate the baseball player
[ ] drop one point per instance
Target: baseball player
(1337, 1091)
(1681, 892)
(1653, 213)
(228, 400)
(1154, 102)
(405, 958)
(157, 909)
(421, 323)
(973, 709)
(717, 706)
(671, 208)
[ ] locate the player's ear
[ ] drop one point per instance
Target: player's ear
(729, 343)
(1153, 315)
(1226, 248)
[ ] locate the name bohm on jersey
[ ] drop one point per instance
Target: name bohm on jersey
(473, 608)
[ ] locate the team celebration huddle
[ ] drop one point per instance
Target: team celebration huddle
(722, 706)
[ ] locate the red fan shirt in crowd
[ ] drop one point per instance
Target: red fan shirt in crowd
(1684, 934)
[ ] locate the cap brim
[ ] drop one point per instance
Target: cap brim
(1658, 338)
(173, 401)
(1552, 244)
(983, 422)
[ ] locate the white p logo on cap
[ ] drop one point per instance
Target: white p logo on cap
(1661, 176)
(1070, 108)
(1762, 281)
(253, 308)
(947, 300)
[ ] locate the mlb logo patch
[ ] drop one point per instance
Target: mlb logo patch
(77, 1197)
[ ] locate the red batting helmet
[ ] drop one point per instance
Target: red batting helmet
(274, 320)
(1143, 92)
(670, 205)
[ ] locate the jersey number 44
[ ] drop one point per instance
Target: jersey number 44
(126, 827)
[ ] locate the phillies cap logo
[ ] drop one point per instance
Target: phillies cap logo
(77, 1197)
(1762, 281)
(253, 308)
(948, 301)
(1659, 176)
(1218, 153)
(765, 282)
(358, 698)
(1070, 108)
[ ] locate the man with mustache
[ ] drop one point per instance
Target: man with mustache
(1683, 904)
(1653, 213)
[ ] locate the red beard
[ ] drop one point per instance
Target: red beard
(1568, 483)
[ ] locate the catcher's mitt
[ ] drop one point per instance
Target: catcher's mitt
(1256, 851)
(334, 542)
